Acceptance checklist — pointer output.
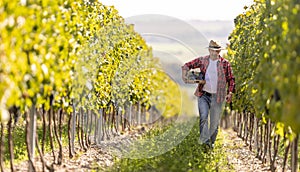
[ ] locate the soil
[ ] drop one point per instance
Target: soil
(240, 156)
(98, 158)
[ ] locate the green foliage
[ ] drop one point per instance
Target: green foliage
(77, 52)
(63, 53)
(264, 50)
(19, 143)
(186, 156)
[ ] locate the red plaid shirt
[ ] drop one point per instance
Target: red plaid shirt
(225, 75)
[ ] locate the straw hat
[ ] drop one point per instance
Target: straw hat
(214, 45)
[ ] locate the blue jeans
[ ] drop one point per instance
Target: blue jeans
(207, 105)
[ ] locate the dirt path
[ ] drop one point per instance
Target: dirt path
(240, 156)
(99, 158)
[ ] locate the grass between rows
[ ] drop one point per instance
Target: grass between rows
(188, 155)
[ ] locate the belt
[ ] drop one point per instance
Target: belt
(206, 93)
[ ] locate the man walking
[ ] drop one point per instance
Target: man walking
(213, 92)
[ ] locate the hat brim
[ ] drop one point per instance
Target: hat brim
(216, 48)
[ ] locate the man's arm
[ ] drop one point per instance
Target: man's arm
(231, 80)
(184, 74)
(231, 83)
(188, 66)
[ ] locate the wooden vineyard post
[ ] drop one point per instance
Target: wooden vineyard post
(32, 135)
(98, 127)
(73, 131)
(294, 154)
(96, 120)
(130, 114)
(139, 114)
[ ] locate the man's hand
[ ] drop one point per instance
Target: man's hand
(200, 81)
(184, 75)
(195, 81)
(228, 98)
(188, 81)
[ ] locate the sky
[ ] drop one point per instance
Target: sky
(181, 9)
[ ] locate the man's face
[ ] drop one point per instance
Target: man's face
(214, 53)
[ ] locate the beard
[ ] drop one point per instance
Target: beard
(214, 56)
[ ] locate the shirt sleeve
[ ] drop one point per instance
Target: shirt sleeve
(230, 79)
(192, 64)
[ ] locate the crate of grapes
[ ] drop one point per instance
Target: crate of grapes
(195, 77)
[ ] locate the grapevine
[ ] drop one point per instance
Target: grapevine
(74, 64)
